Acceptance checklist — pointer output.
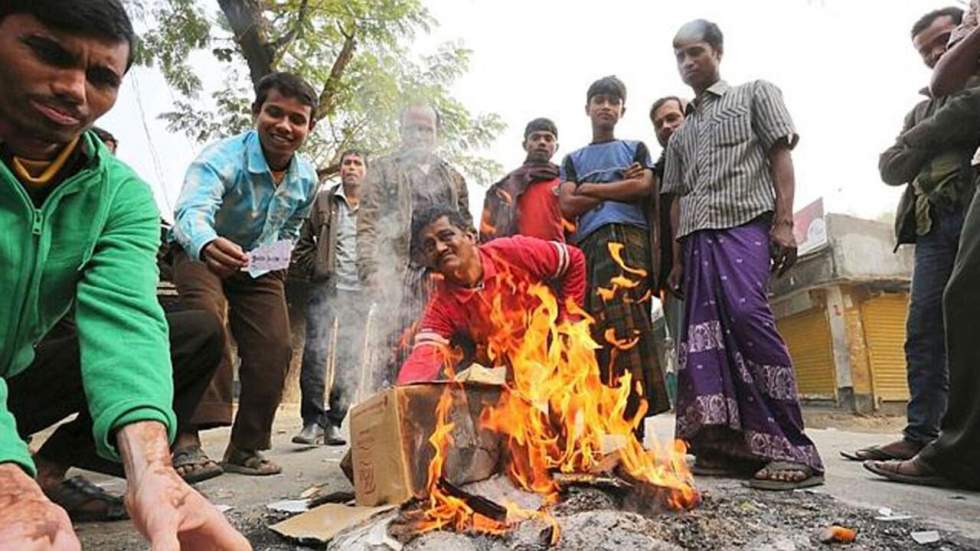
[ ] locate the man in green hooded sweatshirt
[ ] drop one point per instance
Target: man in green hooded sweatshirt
(79, 233)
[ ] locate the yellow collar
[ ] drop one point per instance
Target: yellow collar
(26, 168)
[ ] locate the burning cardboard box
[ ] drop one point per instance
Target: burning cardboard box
(390, 433)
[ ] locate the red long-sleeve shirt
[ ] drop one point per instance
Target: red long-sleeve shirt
(455, 311)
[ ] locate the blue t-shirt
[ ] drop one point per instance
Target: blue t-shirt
(605, 162)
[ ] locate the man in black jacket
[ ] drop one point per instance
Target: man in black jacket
(336, 310)
(939, 186)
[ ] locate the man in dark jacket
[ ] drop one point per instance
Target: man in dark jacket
(327, 253)
(397, 188)
(939, 186)
(953, 458)
(525, 202)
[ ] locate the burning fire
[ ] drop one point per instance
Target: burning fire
(555, 413)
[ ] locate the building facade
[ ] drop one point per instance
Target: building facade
(842, 312)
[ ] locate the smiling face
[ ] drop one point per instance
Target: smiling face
(448, 250)
(605, 110)
(931, 42)
(283, 123)
(55, 84)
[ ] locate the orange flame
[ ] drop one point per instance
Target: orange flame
(624, 344)
(555, 412)
(616, 250)
(445, 510)
(621, 282)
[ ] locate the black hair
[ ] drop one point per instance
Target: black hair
(663, 101)
(710, 33)
(99, 18)
(541, 124)
(289, 85)
(923, 23)
(357, 153)
(401, 114)
(104, 135)
(607, 86)
(428, 215)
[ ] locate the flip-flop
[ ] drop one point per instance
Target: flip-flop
(203, 467)
(810, 481)
(250, 463)
(724, 467)
(873, 453)
(74, 493)
(933, 479)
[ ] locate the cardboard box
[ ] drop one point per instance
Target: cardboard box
(390, 447)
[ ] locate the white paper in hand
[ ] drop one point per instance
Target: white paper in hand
(268, 258)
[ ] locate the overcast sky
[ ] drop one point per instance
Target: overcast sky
(847, 70)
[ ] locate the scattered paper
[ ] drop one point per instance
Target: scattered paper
(289, 506)
(267, 258)
(926, 537)
(326, 521)
(885, 514)
(224, 508)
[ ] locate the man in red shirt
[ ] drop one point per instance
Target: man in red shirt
(473, 277)
(525, 202)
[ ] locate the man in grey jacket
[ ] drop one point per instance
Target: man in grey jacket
(335, 314)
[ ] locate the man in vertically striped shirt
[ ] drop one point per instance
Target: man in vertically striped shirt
(731, 173)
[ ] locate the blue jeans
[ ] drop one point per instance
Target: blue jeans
(925, 341)
(350, 309)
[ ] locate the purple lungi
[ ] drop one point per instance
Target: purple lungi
(736, 390)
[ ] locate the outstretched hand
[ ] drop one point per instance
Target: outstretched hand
(224, 257)
(173, 516)
(28, 519)
(164, 508)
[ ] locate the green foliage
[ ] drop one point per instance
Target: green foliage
(355, 51)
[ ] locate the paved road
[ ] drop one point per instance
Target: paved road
(847, 481)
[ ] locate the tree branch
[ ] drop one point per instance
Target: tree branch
(328, 97)
(245, 18)
(295, 32)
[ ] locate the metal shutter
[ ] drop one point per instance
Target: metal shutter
(883, 318)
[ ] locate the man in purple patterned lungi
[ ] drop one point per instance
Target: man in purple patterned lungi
(730, 168)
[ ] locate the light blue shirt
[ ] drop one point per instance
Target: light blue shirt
(229, 192)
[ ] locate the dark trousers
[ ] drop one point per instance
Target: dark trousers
(259, 321)
(956, 453)
(925, 343)
(51, 389)
(348, 309)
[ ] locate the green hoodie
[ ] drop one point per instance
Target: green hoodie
(92, 244)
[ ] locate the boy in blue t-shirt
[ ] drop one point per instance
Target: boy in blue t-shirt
(607, 190)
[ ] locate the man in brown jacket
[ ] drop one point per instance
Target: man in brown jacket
(327, 253)
(397, 187)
